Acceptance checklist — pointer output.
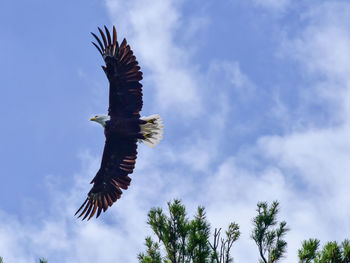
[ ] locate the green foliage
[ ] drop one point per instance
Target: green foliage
(331, 252)
(172, 231)
(153, 252)
(308, 251)
(184, 240)
(187, 241)
(199, 232)
(269, 240)
(346, 250)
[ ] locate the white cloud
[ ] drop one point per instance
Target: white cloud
(319, 161)
(305, 169)
(152, 28)
(316, 157)
(323, 51)
(233, 193)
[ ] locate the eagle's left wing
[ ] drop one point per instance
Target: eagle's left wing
(124, 75)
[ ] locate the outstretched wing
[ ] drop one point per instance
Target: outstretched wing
(119, 157)
(123, 73)
(125, 104)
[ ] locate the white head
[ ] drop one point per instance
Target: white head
(101, 119)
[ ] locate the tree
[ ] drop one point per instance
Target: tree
(184, 240)
(331, 252)
(270, 241)
(223, 255)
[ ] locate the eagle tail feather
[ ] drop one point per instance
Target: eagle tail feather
(152, 130)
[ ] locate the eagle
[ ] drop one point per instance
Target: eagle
(123, 126)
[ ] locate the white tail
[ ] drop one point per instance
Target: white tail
(152, 130)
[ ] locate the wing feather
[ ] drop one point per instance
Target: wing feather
(86, 207)
(88, 211)
(108, 36)
(103, 38)
(99, 50)
(114, 40)
(94, 210)
(81, 206)
(99, 211)
(99, 41)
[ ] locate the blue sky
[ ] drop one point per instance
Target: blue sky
(255, 100)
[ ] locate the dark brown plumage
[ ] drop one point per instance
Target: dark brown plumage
(122, 131)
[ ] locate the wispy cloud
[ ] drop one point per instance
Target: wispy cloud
(58, 236)
(322, 49)
(153, 28)
(317, 155)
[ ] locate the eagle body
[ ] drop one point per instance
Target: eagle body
(123, 126)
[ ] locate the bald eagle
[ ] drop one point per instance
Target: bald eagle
(123, 126)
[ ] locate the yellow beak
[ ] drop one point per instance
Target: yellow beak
(92, 119)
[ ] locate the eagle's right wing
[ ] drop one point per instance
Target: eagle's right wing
(119, 157)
